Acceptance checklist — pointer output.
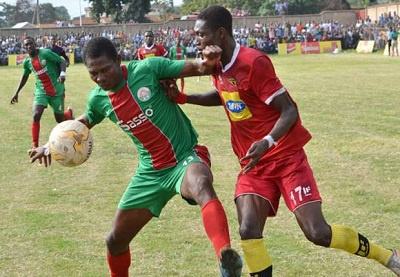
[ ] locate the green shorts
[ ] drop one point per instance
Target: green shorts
(55, 102)
(153, 189)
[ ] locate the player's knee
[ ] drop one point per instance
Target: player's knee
(249, 231)
(110, 242)
(36, 116)
(113, 246)
(202, 188)
(319, 236)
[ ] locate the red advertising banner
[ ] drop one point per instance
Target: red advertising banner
(310, 48)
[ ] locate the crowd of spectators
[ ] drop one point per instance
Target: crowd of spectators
(264, 37)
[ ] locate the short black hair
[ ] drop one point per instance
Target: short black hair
(30, 38)
(216, 17)
(99, 46)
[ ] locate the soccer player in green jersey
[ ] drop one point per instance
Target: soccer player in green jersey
(170, 160)
(50, 89)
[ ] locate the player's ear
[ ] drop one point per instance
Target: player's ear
(221, 32)
(119, 59)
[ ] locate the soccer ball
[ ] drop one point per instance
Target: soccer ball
(70, 143)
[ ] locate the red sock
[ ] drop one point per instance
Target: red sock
(216, 224)
(119, 265)
(35, 130)
(67, 115)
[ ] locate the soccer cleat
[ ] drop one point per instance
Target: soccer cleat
(71, 112)
(230, 263)
(394, 262)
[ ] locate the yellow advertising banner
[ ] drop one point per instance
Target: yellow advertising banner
(365, 46)
(16, 60)
(315, 47)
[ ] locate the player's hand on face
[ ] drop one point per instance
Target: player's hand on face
(211, 56)
(170, 88)
(14, 99)
(254, 154)
(40, 153)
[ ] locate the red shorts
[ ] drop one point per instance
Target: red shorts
(291, 177)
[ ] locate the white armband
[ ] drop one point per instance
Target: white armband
(63, 74)
(270, 140)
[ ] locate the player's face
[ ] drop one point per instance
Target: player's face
(148, 38)
(205, 36)
(30, 47)
(105, 72)
(53, 41)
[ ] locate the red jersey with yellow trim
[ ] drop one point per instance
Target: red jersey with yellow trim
(247, 85)
(152, 51)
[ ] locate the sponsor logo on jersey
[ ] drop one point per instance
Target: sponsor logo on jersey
(44, 62)
(233, 81)
(144, 94)
(136, 121)
(41, 71)
(238, 110)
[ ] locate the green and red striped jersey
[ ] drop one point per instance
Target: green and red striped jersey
(138, 105)
(46, 70)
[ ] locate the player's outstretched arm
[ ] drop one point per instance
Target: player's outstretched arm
(203, 66)
(22, 83)
(210, 98)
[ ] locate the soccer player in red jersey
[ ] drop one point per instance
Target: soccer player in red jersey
(178, 52)
(151, 49)
(170, 160)
(268, 138)
(49, 70)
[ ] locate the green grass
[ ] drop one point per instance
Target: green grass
(53, 221)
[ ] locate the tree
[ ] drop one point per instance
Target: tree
(191, 6)
(47, 13)
(24, 10)
(6, 15)
(121, 10)
(167, 8)
(266, 7)
(62, 13)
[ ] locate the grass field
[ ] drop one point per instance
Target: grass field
(53, 221)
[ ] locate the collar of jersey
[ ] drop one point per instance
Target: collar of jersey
(233, 59)
(120, 85)
(151, 46)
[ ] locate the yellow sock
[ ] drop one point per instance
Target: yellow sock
(255, 255)
(348, 239)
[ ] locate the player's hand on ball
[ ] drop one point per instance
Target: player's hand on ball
(40, 153)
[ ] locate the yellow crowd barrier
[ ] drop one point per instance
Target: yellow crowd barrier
(303, 48)
(17, 59)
